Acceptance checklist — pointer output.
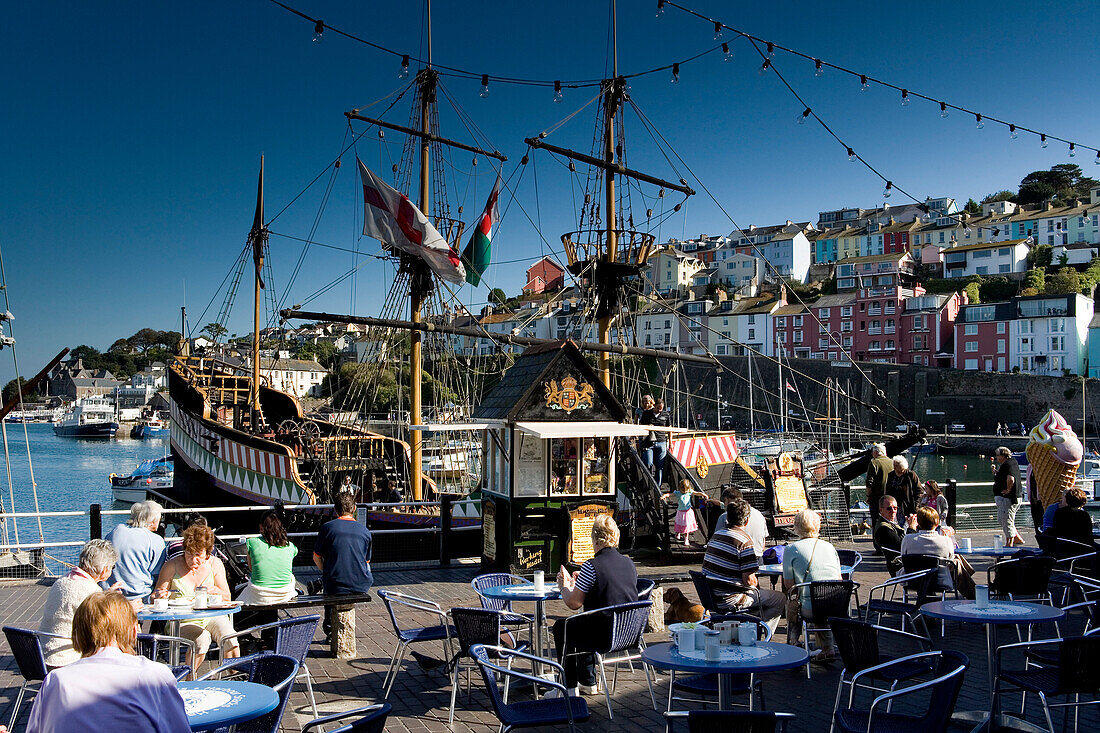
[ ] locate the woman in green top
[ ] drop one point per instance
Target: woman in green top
(271, 559)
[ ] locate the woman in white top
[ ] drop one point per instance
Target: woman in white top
(109, 688)
(97, 562)
(808, 559)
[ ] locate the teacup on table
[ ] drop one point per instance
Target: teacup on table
(160, 605)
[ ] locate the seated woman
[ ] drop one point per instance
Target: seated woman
(175, 547)
(109, 687)
(930, 541)
(97, 562)
(182, 575)
(1072, 522)
(271, 560)
(808, 559)
(608, 579)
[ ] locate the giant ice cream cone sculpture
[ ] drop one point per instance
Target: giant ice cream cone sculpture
(1054, 453)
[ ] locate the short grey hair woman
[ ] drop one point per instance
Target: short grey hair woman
(97, 561)
(807, 560)
(146, 515)
(901, 462)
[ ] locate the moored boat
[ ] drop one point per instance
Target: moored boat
(151, 427)
(153, 474)
(90, 417)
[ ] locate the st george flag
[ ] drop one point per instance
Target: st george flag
(476, 255)
(390, 217)
(792, 389)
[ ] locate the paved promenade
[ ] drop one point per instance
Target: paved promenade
(420, 699)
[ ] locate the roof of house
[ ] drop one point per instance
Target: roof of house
(871, 259)
(789, 310)
(833, 300)
(497, 318)
(292, 365)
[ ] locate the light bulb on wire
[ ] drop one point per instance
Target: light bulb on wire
(802, 117)
(1072, 151)
(771, 50)
(675, 78)
(558, 96)
(1012, 133)
(863, 85)
(888, 190)
(660, 8)
(979, 123)
(764, 67)
(727, 55)
(717, 31)
(484, 86)
(852, 157)
(404, 67)
(819, 70)
(1043, 140)
(318, 31)
(943, 110)
(905, 98)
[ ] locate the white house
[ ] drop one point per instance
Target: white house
(299, 377)
(1049, 334)
(671, 271)
(739, 271)
(991, 258)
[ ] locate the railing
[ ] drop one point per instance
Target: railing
(964, 517)
(23, 558)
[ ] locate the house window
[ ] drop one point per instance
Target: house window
(846, 311)
(798, 321)
(1057, 343)
(1001, 326)
(890, 344)
(1005, 252)
(971, 346)
(982, 270)
(970, 329)
(823, 343)
(781, 322)
(1057, 325)
(752, 334)
(971, 364)
(1000, 346)
(798, 337)
(647, 341)
(721, 350)
(1026, 327)
(823, 312)
(696, 308)
(668, 324)
(1004, 268)
(752, 319)
(847, 342)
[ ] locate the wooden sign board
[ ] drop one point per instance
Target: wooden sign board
(581, 520)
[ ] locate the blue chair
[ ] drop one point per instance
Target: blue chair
(408, 635)
(628, 622)
(942, 694)
(162, 648)
(564, 709)
(828, 598)
(495, 580)
(475, 626)
(729, 721)
(705, 686)
(26, 646)
(915, 584)
(293, 637)
(858, 643)
(276, 671)
(373, 720)
(645, 589)
(1074, 671)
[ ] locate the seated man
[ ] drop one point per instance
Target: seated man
(889, 533)
(757, 527)
(1072, 522)
(342, 553)
(730, 563)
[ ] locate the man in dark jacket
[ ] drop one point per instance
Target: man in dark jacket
(889, 532)
(1007, 489)
(877, 473)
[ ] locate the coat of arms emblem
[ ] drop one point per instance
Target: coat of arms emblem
(570, 396)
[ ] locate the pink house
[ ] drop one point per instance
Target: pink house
(544, 275)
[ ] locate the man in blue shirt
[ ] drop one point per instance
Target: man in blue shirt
(141, 551)
(342, 553)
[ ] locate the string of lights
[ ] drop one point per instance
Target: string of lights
(866, 80)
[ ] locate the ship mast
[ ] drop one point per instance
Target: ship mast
(258, 238)
(607, 258)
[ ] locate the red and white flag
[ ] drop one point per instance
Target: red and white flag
(390, 217)
(792, 389)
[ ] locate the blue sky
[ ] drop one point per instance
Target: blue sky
(133, 131)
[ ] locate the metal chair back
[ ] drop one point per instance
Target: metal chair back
(1027, 575)
(1079, 666)
(373, 720)
(294, 635)
(645, 588)
(276, 671)
(731, 721)
(27, 650)
(495, 580)
(628, 622)
(857, 642)
(703, 588)
(851, 558)
(938, 582)
(828, 598)
(475, 626)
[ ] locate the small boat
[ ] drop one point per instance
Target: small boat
(154, 473)
(923, 448)
(90, 417)
(151, 427)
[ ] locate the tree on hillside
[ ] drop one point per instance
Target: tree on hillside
(498, 296)
(170, 340)
(1063, 183)
(214, 330)
(1040, 256)
(972, 207)
(1064, 282)
(1002, 195)
(1035, 278)
(121, 346)
(973, 293)
(145, 339)
(11, 390)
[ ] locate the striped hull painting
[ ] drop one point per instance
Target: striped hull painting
(263, 477)
(715, 448)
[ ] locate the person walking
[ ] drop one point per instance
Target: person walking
(877, 473)
(1006, 493)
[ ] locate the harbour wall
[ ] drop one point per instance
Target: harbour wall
(879, 397)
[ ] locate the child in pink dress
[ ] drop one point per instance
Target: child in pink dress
(685, 522)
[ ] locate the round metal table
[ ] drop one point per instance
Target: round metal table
(527, 592)
(176, 614)
(212, 704)
(764, 656)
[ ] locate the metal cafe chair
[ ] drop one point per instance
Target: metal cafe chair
(475, 626)
(942, 694)
(26, 646)
(495, 580)
(729, 721)
(828, 598)
(292, 638)
(564, 709)
(1075, 672)
(276, 671)
(408, 635)
(373, 720)
(162, 648)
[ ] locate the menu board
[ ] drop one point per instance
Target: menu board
(489, 529)
(581, 520)
(531, 467)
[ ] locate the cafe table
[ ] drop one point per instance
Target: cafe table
(212, 704)
(528, 592)
(994, 614)
(989, 551)
(763, 656)
(177, 614)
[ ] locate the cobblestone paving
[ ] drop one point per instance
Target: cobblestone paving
(420, 699)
